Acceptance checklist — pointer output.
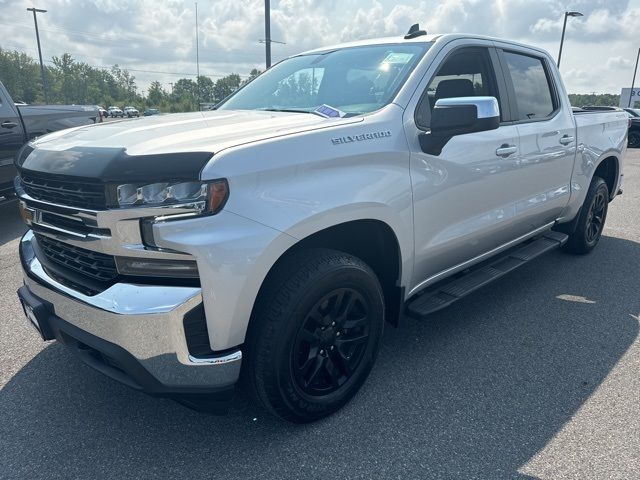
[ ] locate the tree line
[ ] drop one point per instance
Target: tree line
(73, 82)
(594, 99)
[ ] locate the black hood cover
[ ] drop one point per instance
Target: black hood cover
(113, 164)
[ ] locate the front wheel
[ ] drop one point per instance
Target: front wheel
(591, 220)
(314, 335)
(634, 139)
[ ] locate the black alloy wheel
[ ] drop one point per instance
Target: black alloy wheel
(591, 219)
(595, 217)
(331, 342)
(314, 334)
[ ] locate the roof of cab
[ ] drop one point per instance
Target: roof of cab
(429, 38)
(374, 41)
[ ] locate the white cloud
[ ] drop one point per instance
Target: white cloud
(159, 35)
(619, 62)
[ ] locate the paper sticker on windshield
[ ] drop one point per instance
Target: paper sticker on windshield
(398, 57)
(329, 112)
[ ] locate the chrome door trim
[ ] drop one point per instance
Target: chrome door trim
(461, 266)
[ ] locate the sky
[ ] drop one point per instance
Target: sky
(156, 40)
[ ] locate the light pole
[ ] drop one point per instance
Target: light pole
(564, 27)
(633, 82)
(197, 61)
(44, 79)
(267, 31)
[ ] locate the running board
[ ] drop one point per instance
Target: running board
(462, 285)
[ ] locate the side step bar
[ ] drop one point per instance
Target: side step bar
(449, 291)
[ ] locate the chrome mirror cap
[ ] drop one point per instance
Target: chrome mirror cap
(487, 107)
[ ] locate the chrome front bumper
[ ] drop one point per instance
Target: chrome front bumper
(146, 321)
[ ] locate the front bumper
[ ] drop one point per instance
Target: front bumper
(132, 333)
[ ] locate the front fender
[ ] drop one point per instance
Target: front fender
(234, 255)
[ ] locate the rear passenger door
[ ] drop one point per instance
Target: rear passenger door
(547, 135)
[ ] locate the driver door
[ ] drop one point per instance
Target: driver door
(464, 202)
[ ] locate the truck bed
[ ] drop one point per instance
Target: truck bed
(598, 130)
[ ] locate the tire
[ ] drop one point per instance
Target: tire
(591, 219)
(634, 138)
(297, 366)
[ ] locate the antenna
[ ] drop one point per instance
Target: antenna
(414, 32)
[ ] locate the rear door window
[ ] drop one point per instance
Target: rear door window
(532, 88)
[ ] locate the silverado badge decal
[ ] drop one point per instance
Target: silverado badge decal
(360, 138)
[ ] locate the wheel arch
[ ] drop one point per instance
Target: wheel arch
(608, 168)
(371, 240)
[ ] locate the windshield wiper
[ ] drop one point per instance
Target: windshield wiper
(290, 110)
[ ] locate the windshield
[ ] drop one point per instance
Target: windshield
(354, 80)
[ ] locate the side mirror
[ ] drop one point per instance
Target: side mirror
(458, 116)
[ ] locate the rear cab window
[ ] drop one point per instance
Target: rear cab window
(533, 91)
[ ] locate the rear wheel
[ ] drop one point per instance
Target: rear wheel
(634, 139)
(591, 220)
(314, 335)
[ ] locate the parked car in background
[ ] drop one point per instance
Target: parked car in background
(21, 123)
(634, 126)
(115, 112)
(151, 111)
(131, 112)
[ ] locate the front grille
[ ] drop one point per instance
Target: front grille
(96, 266)
(68, 192)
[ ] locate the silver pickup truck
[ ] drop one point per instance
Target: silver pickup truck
(269, 241)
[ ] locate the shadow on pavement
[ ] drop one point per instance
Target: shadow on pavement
(473, 393)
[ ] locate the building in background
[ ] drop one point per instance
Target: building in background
(624, 97)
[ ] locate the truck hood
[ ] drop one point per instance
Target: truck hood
(159, 147)
(189, 132)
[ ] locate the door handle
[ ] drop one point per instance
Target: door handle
(8, 124)
(505, 150)
(566, 140)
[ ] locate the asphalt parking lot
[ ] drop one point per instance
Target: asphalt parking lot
(535, 376)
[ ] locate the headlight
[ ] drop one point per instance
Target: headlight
(205, 197)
